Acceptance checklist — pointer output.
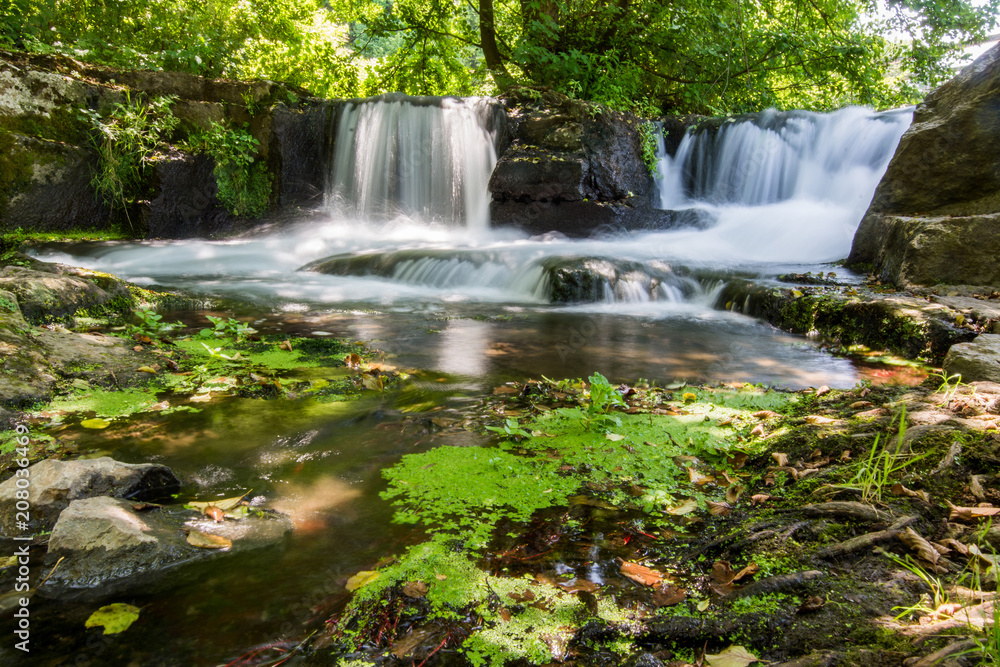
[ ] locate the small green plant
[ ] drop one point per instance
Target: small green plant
(244, 184)
(603, 396)
(949, 384)
(150, 323)
(510, 428)
(648, 136)
(875, 472)
(126, 140)
(931, 601)
(223, 328)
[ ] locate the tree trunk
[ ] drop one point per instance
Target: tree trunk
(488, 38)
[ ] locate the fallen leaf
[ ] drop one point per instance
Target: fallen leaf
(858, 405)
(718, 509)
(360, 579)
(955, 545)
(206, 541)
(812, 603)
(970, 514)
(415, 589)
(820, 419)
(765, 414)
(225, 504)
(698, 477)
(733, 493)
(703, 605)
(734, 656)
(823, 390)
(750, 569)
(685, 507)
(287, 345)
(578, 585)
(146, 369)
(216, 513)
(780, 459)
(758, 431)
(114, 618)
(641, 573)
(924, 550)
(137, 348)
(846, 456)
(406, 644)
(668, 595)
(759, 498)
(614, 437)
(900, 490)
(526, 596)
(95, 423)
(722, 572)
(440, 577)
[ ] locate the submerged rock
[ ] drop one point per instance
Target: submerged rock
(108, 547)
(54, 484)
(977, 360)
(935, 216)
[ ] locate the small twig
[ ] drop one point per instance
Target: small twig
(439, 647)
(51, 572)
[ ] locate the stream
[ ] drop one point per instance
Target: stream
(465, 308)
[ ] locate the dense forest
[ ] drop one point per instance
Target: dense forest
(705, 56)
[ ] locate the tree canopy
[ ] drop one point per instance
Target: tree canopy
(707, 56)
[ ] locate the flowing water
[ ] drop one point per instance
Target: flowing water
(406, 259)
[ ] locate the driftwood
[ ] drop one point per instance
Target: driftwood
(848, 509)
(867, 540)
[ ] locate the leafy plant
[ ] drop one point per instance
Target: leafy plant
(949, 384)
(126, 141)
(875, 471)
(930, 602)
(223, 328)
(244, 183)
(150, 323)
(648, 137)
(510, 428)
(603, 396)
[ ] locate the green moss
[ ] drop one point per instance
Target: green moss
(106, 404)
(15, 170)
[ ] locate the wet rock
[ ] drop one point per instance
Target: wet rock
(186, 204)
(109, 548)
(572, 167)
(298, 138)
(53, 485)
(978, 360)
(935, 214)
(814, 659)
(642, 659)
(44, 296)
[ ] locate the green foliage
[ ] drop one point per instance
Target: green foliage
(126, 140)
(150, 323)
(244, 184)
(875, 472)
(223, 328)
(603, 397)
(510, 428)
(647, 135)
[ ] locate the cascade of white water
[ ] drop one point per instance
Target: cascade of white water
(426, 158)
(773, 157)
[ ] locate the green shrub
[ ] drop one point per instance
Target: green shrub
(244, 183)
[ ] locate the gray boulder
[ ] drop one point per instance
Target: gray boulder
(54, 484)
(975, 361)
(108, 547)
(935, 216)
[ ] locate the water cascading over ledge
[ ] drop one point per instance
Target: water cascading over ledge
(428, 158)
(799, 180)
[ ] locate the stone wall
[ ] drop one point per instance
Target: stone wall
(935, 217)
(47, 159)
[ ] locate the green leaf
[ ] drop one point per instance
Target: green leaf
(114, 618)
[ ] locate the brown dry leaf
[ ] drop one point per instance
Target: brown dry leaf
(846, 456)
(812, 603)
(751, 569)
(137, 348)
(641, 573)
(769, 479)
(415, 589)
(858, 405)
(765, 414)
(729, 479)
(823, 390)
(816, 463)
(734, 656)
(900, 490)
(758, 431)
(206, 541)
(722, 572)
(759, 498)
(685, 507)
(578, 585)
(216, 513)
(505, 389)
(970, 514)
(526, 596)
(353, 360)
(287, 345)
(699, 478)
(780, 459)
(955, 545)
(145, 507)
(718, 509)
(820, 419)
(668, 595)
(738, 459)
(406, 644)
(733, 493)
(925, 551)
(440, 577)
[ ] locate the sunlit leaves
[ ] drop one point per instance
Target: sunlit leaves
(113, 618)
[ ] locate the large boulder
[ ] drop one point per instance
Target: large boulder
(109, 547)
(53, 485)
(935, 214)
(44, 296)
(977, 360)
(572, 167)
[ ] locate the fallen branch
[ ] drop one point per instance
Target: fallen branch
(849, 509)
(867, 540)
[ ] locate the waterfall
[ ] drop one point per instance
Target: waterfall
(779, 185)
(428, 158)
(778, 156)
